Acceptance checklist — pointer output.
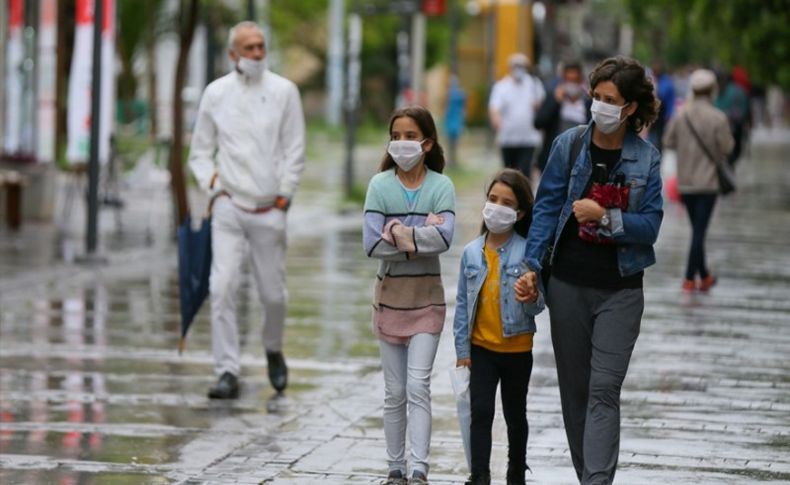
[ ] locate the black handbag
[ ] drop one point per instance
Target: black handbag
(548, 255)
(724, 170)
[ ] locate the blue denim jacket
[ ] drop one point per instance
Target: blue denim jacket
(517, 318)
(634, 230)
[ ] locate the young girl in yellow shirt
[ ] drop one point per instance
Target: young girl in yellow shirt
(493, 332)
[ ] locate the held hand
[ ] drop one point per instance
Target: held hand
(526, 288)
(587, 210)
(463, 363)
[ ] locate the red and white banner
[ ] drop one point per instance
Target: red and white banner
(15, 53)
(46, 84)
(79, 106)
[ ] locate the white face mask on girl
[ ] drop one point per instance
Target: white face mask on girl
(498, 218)
(405, 153)
(606, 116)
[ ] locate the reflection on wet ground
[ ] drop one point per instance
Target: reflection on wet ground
(92, 389)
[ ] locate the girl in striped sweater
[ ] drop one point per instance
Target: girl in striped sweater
(408, 221)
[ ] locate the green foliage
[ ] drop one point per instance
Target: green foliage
(752, 33)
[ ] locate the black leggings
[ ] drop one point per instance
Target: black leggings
(700, 209)
(513, 370)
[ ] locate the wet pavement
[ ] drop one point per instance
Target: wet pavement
(92, 390)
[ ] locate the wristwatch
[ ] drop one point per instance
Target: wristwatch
(604, 219)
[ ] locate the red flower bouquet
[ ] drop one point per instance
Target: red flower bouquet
(610, 195)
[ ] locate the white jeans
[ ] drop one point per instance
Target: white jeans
(407, 379)
(232, 231)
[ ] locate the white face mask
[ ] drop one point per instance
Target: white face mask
(606, 116)
(251, 68)
(519, 73)
(405, 153)
(498, 218)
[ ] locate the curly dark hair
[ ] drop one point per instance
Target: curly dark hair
(519, 184)
(634, 85)
(434, 158)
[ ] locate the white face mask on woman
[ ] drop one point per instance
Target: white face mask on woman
(498, 218)
(405, 153)
(606, 116)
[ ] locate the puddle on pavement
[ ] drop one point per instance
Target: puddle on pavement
(64, 477)
(94, 446)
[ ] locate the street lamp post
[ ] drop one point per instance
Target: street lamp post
(93, 161)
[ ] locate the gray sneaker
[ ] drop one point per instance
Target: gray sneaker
(418, 479)
(395, 478)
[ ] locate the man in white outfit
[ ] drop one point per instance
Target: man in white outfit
(512, 106)
(248, 151)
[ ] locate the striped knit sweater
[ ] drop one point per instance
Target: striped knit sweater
(409, 296)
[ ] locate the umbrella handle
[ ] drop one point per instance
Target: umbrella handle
(181, 343)
(212, 200)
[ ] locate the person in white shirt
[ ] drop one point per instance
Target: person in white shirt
(248, 151)
(511, 108)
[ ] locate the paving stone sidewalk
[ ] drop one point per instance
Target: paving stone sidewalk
(91, 390)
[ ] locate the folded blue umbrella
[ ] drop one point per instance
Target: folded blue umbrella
(194, 269)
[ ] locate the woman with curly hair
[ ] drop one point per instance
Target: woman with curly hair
(595, 295)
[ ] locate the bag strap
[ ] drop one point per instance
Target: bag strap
(576, 148)
(699, 140)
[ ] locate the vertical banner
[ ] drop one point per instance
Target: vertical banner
(47, 67)
(13, 86)
(79, 105)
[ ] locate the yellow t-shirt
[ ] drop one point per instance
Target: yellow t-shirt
(487, 330)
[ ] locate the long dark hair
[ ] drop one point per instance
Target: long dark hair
(434, 158)
(519, 184)
(634, 85)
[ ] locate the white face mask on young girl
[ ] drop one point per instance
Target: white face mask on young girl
(498, 218)
(405, 153)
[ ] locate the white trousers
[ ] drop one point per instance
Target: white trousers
(232, 232)
(407, 380)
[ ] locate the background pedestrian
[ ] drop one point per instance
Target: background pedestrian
(697, 178)
(248, 150)
(511, 108)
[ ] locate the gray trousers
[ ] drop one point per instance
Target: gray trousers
(407, 387)
(593, 332)
(234, 234)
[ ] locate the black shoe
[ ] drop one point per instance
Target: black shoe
(278, 371)
(515, 476)
(227, 387)
(479, 479)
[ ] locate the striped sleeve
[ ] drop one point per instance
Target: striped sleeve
(433, 240)
(373, 224)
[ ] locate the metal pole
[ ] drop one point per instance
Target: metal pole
(334, 71)
(93, 162)
(418, 26)
(352, 96)
(251, 10)
(3, 36)
(491, 59)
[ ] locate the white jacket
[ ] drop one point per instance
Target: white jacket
(251, 134)
(517, 103)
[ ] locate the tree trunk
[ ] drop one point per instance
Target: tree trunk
(177, 179)
(150, 54)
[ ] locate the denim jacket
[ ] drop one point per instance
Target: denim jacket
(634, 230)
(517, 318)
